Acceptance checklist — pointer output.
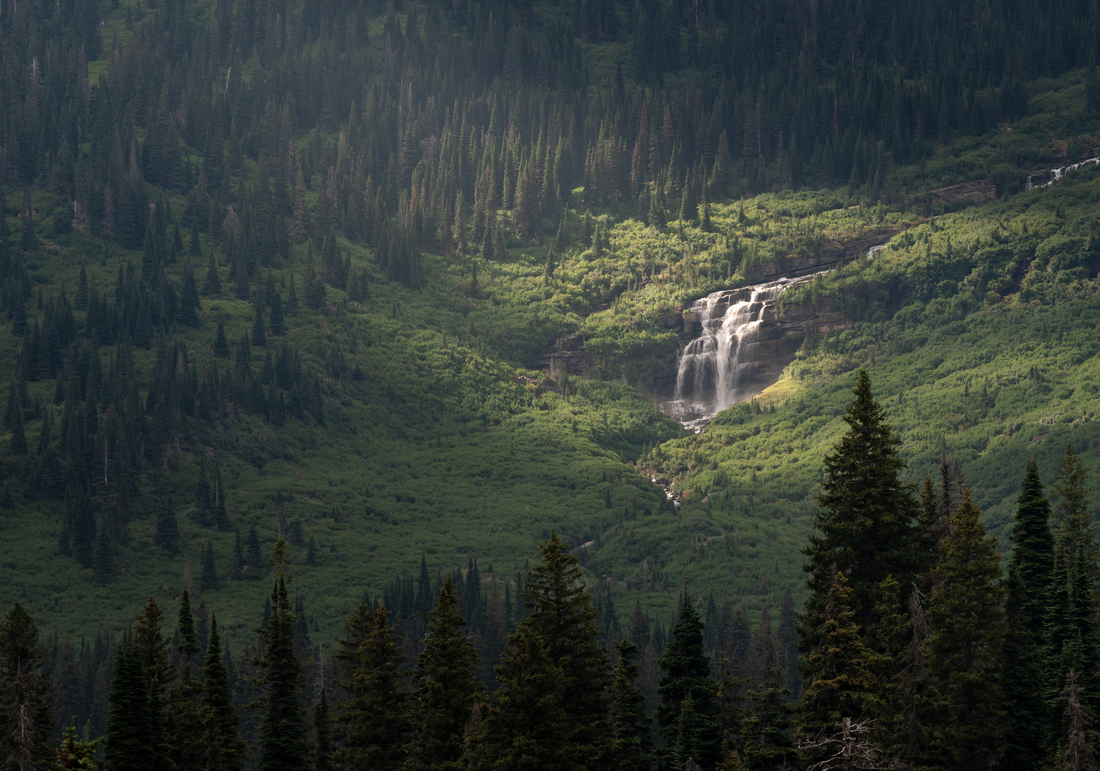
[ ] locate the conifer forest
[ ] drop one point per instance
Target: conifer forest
(639, 385)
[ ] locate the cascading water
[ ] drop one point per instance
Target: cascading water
(1053, 175)
(716, 369)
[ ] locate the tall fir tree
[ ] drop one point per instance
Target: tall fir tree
(444, 687)
(222, 744)
(865, 525)
(374, 712)
(687, 674)
(561, 625)
(1030, 572)
(630, 745)
(966, 648)
(282, 735)
(843, 684)
(26, 697)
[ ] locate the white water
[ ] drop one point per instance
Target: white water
(1058, 173)
(715, 369)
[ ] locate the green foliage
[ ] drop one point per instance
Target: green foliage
(689, 712)
(966, 648)
(374, 712)
(556, 645)
(26, 700)
(841, 680)
(444, 687)
(282, 723)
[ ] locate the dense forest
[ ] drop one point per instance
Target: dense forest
(289, 289)
(915, 651)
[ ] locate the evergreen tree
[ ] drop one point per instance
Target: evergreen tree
(843, 683)
(687, 675)
(26, 699)
(129, 720)
(212, 284)
(529, 726)
(768, 742)
(374, 713)
(560, 625)
(630, 729)
(222, 743)
(221, 342)
(965, 651)
(282, 736)
(1030, 572)
(444, 687)
(865, 523)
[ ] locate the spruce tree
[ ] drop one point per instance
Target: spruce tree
(768, 741)
(1030, 572)
(444, 687)
(865, 525)
(221, 342)
(282, 739)
(129, 722)
(561, 621)
(26, 698)
(222, 743)
(687, 675)
(375, 714)
(529, 725)
(843, 681)
(630, 724)
(965, 651)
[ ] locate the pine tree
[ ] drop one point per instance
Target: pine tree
(965, 651)
(282, 737)
(444, 687)
(1030, 571)
(865, 522)
(26, 699)
(843, 683)
(1033, 550)
(630, 725)
(561, 622)
(222, 743)
(221, 342)
(370, 657)
(687, 675)
(129, 722)
(768, 742)
(529, 726)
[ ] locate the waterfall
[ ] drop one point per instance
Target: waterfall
(1058, 173)
(717, 368)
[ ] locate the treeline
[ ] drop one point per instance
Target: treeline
(277, 120)
(398, 692)
(914, 651)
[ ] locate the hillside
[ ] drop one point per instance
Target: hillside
(301, 268)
